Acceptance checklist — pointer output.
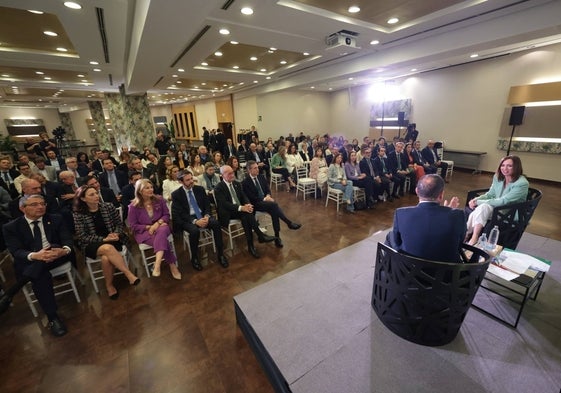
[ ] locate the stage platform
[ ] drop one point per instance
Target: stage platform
(314, 331)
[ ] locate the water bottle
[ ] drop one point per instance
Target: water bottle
(493, 238)
(482, 242)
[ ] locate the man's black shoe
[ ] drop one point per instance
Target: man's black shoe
(5, 302)
(266, 239)
(395, 196)
(196, 264)
(294, 225)
(56, 327)
(223, 261)
(278, 242)
(253, 252)
(390, 199)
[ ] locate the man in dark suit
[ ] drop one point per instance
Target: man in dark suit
(420, 160)
(191, 212)
(229, 150)
(399, 167)
(368, 167)
(105, 194)
(383, 170)
(256, 187)
(38, 243)
(112, 178)
(258, 157)
(7, 176)
(127, 192)
(232, 203)
(36, 184)
(429, 230)
(97, 162)
(55, 161)
(430, 156)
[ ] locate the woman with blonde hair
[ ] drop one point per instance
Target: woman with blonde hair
(149, 220)
(170, 184)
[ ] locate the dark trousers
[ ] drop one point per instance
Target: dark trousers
(398, 182)
(384, 186)
(195, 233)
(276, 213)
(249, 225)
(370, 187)
(283, 172)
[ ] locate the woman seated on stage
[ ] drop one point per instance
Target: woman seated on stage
(336, 178)
(278, 165)
(509, 186)
(149, 220)
(99, 230)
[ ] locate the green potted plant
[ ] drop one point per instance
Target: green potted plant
(7, 144)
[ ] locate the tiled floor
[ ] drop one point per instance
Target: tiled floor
(169, 336)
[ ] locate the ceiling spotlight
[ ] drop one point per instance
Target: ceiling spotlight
(474, 55)
(97, 69)
(263, 70)
(354, 9)
(283, 62)
(174, 76)
(247, 11)
(268, 77)
(36, 12)
(80, 75)
(50, 33)
(351, 78)
(413, 69)
(331, 88)
(203, 84)
(47, 78)
(234, 42)
(393, 21)
(235, 67)
(39, 72)
(94, 62)
(84, 80)
(374, 42)
(204, 63)
(253, 58)
(224, 31)
(306, 54)
(218, 53)
(312, 87)
(5, 76)
(73, 5)
(180, 70)
(273, 49)
(178, 82)
(255, 81)
(61, 49)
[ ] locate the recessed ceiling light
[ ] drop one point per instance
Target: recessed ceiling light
(61, 49)
(255, 81)
(80, 75)
(73, 5)
(283, 62)
(353, 9)
(204, 63)
(94, 62)
(50, 33)
(194, 87)
(270, 51)
(331, 88)
(224, 31)
(247, 11)
(218, 53)
(474, 55)
(374, 42)
(174, 76)
(36, 12)
(224, 85)
(178, 82)
(393, 21)
(203, 84)
(235, 67)
(379, 70)
(180, 70)
(47, 78)
(263, 70)
(39, 72)
(413, 69)
(84, 80)
(268, 77)
(5, 76)
(306, 54)
(312, 87)
(234, 42)
(97, 69)
(253, 58)
(351, 78)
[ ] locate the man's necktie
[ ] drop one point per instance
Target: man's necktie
(259, 189)
(383, 165)
(398, 162)
(37, 239)
(194, 204)
(372, 173)
(6, 177)
(234, 195)
(113, 182)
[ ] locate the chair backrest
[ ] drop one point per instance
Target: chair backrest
(424, 301)
(439, 147)
(301, 172)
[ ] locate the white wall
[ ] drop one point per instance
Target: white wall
(463, 106)
(245, 113)
(206, 115)
(49, 116)
(80, 127)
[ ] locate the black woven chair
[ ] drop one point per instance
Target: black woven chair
(423, 301)
(512, 219)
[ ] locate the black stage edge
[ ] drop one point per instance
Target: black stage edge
(267, 363)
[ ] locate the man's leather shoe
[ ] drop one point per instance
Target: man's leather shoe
(253, 251)
(57, 328)
(223, 261)
(390, 199)
(5, 302)
(196, 264)
(395, 196)
(278, 242)
(266, 239)
(294, 225)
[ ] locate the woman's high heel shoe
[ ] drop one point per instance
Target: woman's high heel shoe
(156, 271)
(175, 272)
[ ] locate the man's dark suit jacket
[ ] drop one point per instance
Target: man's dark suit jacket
(108, 196)
(392, 160)
(52, 205)
(97, 166)
(11, 188)
(122, 179)
(427, 155)
(226, 208)
(127, 195)
(251, 191)
(379, 168)
(429, 231)
(181, 207)
(229, 151)
(364, 168)
(60, 162)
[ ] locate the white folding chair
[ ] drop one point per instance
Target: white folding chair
(276, 178)
(94, 267)
(206, 237)
(4, 256)
(334, 195)
(359, 194)
(264, 220)
(304, 183)
(149, 260)
(66, 286)
(233, 230)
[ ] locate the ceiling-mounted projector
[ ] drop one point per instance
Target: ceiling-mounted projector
(342, 39)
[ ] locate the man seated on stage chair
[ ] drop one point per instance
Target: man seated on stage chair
(429, 230)
(256, 187)
(232, 203)
(191, 212)
(38, 243)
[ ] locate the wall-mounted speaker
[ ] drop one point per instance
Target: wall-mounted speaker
(516, 115)
(401, 119)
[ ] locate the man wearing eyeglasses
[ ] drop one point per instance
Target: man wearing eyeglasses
(38, 243)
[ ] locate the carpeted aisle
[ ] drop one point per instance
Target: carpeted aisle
(316, 328)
